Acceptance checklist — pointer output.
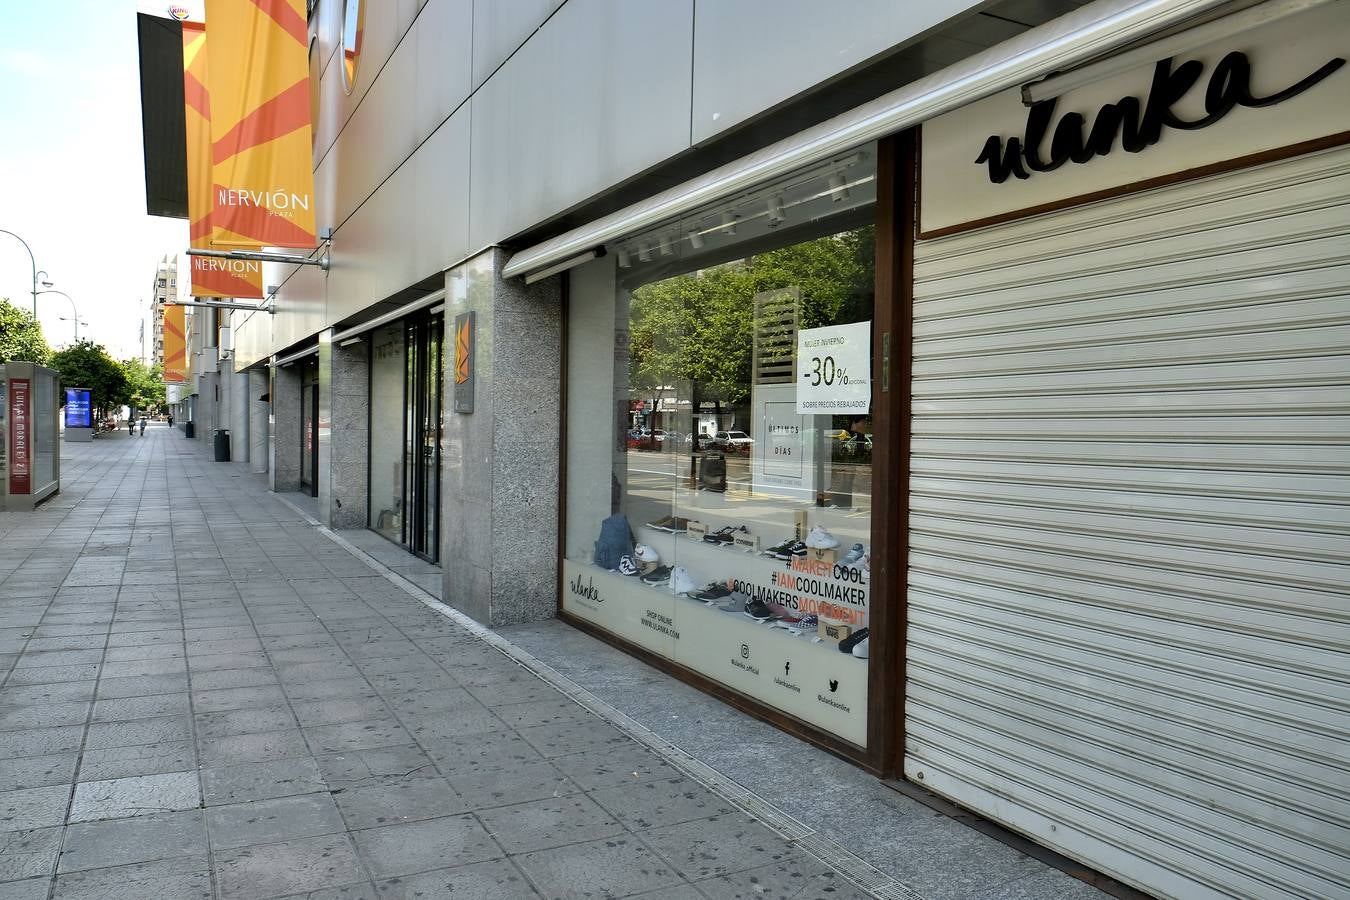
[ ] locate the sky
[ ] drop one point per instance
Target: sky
(72, 177)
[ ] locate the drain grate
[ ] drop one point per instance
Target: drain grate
(859, 872)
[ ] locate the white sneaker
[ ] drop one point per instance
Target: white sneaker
(820, 539)
(645, 554)
(860, 648)
(681, 582)
(628, 566)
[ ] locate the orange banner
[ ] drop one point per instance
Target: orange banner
(210, 277)
(263, 182)
(175, 345)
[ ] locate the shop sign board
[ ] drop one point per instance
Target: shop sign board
(20, 436)
(834, 370)
(79, 411)
(464, 362)
(1270, 92)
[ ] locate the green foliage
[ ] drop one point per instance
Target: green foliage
(87, 364)
(145, 384)
(21, 336)
(700, 326)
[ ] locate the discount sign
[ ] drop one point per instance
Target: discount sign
(834, 370)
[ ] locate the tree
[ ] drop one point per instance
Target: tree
(21, 336)
(145, 384)
(87, 364)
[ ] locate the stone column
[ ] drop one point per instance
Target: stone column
(239, 439)
(258, 410)
(344, 432)
(500, 493)
(286, 429)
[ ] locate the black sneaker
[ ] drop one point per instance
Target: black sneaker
(853, 640)
(789, 550)
(758, 610)
(714, 590)
(659, 575)
(778, 548)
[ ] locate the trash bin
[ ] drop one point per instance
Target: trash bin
(222, 444)
(189, 430)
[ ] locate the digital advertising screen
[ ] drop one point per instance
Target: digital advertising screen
(79, 412)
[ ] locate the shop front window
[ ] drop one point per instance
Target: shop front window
(719, 447)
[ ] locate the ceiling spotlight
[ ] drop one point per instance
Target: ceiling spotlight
(838, 188)
(667, 246)
(644, 252)
(624, 261)
(776, 214)
(695, 240)
(729, 222)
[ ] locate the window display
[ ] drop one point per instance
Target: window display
(719, 444)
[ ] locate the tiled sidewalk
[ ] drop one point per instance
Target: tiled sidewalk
(203, 696)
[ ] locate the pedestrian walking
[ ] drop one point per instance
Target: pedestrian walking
(131, 426)
(142, 424)
(170, 420)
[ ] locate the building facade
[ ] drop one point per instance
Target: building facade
(164, 290)
(961, 387)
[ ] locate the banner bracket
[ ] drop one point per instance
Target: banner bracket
(263, 256)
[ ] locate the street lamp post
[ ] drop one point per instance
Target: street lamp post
(75, 313)
(77, 322)
(33, 260)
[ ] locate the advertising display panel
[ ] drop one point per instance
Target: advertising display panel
(79, 411)
(20, 436)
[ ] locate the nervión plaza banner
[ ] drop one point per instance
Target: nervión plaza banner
(210, 277)
(175, 345)
(258, 82)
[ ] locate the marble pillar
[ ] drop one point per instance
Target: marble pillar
(344, 432)
(286, 428)
(239, 440)
(499, 515)
(258, 410)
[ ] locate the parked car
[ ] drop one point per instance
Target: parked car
(733, 441)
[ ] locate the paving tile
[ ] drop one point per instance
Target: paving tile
(356, 736)
(29, 808)
(43, 658)
(172, 665)
(53, 675)
(29, 853)
(668, 801)
(142, 685)
(141, 707)
(706, 848)
(60, 692)
(102, 735)
(796, 878)
(339, 711)
(552, 711)
(437, 726)
(542, 824)
(330, 689)
(360, 891)
(137, 795)
(244, 721)
(43, 715)
(29, 889)
(288, 867)
(244, 748)
(219, 679)
(37, 771)
(611, 867)
(184, 878)
(388, 804)
(496, 879)
(262, 781)
(143, 759)
(576, 737)
(117, 842)
(521, 782)
(422, 846)
(218, 661)
(238, 698)
(269, 821)
(472, 753)
(144, 651)
(382, 765)
(624, 766)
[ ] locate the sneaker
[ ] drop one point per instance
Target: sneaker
(853, 640)
(711, 592)
(735, 603)
(791, 549)
(659, 575)
(860, 648)
(758, 610)
(778, 548)
(680, 582)
(820, 539)
(673, 524)
(628, 566)
(853, 555)
(865, 566)
(725, 536)
(644, 554)
(809, 622)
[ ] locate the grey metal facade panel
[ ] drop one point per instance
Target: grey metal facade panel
(379, 136)
(598, 95)
(499, 28)
(440, 212)
(444, 53)
(754, 54)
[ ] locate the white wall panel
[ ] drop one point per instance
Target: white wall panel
(379, 136)
(499, 28)
(444, 54)
(1130, 513)
(598, 95)
(754, 54)
(371, 257)
(440, 213)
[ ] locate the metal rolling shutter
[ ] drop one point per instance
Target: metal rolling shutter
(1130, 529)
